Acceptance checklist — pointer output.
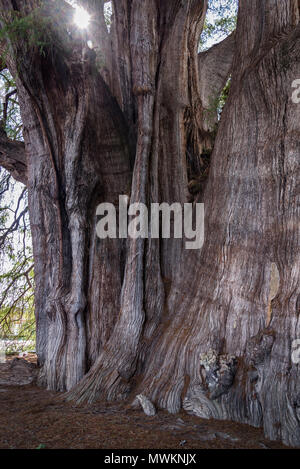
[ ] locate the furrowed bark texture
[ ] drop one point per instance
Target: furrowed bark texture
(13, 157)
(165, 122)
(216, 63)
(211, 330)
(220, 351)
(75, 136)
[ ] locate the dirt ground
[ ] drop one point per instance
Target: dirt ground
(31, 418)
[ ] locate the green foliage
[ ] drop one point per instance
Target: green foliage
(218, 29)
(17, 321)
(220, 22)
(223, 97)
(13, 122)
(217, 105)
(40, 30)
(32, 30)
(41, 446)
(108, 14)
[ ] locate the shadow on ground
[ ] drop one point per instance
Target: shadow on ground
(32, 417)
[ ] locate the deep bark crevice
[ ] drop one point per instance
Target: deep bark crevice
(202, 330)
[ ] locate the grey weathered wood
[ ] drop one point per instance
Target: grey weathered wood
(200, 330)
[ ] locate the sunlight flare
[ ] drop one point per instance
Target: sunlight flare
(81, 17)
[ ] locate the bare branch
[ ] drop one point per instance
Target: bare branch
(16, 277)
(14, 304)
(5, 106)
(5, 185)
(13, 157)
(14, 226)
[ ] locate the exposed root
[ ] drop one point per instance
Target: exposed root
(104, 381)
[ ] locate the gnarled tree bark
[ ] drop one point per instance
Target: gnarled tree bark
(198, 330)
(13, 157)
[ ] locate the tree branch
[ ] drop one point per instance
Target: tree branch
(215, 67)
(5, 105)
(13, 157)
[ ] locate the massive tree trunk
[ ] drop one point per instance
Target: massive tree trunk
(208, 330)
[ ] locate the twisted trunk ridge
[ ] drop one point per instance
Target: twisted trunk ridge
(203, 330)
